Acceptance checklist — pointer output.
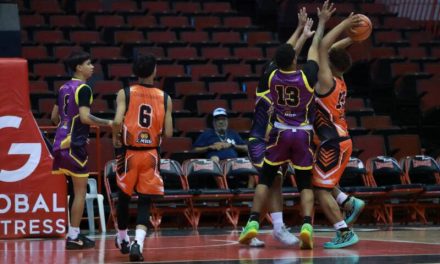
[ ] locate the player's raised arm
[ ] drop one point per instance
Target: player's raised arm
(324, 15)
(302, 20)
(307, 33)
(325, 75)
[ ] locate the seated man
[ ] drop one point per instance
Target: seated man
(220, 143)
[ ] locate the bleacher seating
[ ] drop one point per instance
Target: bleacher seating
(210, 55)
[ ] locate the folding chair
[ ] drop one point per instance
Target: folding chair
(386, 171)
(207, 183)
(176, 198)
(354, 181)
(424, 170)
(238, 173)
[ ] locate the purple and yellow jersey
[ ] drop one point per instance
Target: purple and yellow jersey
(70, 131)
(292, 97)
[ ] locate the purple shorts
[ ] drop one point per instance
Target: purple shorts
(256, 149)
(285, 145)
(72, 162)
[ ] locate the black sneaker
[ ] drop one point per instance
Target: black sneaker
(81, 242)
(124, 246)
(135, 252)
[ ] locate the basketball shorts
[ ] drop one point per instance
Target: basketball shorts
(138, 170)
(288, 145)
(72, 161)
(331, 157)
(256, 149)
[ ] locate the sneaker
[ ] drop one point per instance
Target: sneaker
(135, 252)
(342, 239)
(306, 237)
(249, 232)
(284, 236)
(255, 242)
(124, 246)
(81, 242)
(356, 208)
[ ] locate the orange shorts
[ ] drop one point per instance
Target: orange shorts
(139, 170)
(331, 158)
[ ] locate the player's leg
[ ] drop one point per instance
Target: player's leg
(142, 219)
(307, 200)
(149, 183)
(301, 158)
(326, 174)
(73, 162)
(126, 181)
(351, 205)
(267, 178)
(279, 232)
(75, 240)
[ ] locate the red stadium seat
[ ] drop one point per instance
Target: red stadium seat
(401, 146)
(367, 146)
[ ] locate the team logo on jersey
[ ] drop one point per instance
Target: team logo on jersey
(143, 138)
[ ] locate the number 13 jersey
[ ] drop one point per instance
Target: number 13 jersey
(145, 116)
(292, 95)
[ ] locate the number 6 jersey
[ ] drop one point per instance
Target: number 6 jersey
(145, 116)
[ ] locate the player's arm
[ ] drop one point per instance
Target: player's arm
(307, 33)
(342, 44)
(119, 118)
(302, 19)
(54, 116)
(84, 99)
(325, 76)
(324, 15)
(169, 118)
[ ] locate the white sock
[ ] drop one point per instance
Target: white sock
(341, 198)
(123, 235)
(73, 232)
(277, 220)
(340, 225)
(140, 237)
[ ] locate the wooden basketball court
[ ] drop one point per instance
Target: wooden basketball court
(400, 245)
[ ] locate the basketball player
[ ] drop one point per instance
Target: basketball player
(334, 150)
(257, 139)
(143, 114)
(72, 114)
(291, 135)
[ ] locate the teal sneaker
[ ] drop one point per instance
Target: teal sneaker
(306, 237)
(342, 240)
(356, 208)
(250, 231)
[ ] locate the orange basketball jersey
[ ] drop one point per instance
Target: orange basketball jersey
(145, 116)
(330, 112)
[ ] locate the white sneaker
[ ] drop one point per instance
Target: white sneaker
(255, 242)
(284, 236)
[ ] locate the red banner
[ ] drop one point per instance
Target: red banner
(32, 200)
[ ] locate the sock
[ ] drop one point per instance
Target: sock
(341, 198)
(340, 225)
(255, 216)
(123, 235)
(307, 220)
(277, 220)
(73, 232)
(140, 237)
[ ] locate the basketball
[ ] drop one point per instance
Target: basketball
(361, 32)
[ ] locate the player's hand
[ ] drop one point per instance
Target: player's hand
(352, 21)
(326, 11)
(307, 32)
(217, 146)
(116, 141)
(302, 17)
